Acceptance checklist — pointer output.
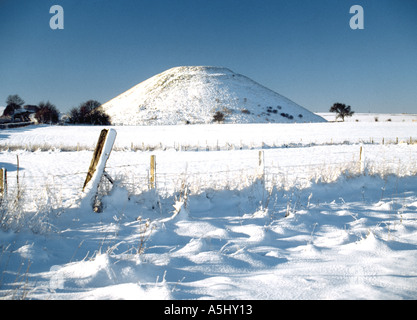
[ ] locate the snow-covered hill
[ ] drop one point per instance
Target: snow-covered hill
(194, 94)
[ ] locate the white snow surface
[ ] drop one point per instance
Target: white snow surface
(194, 94)
(308, 224)
(372, 117)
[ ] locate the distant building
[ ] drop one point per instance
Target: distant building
(25, 114)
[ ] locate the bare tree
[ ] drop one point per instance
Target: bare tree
(341, 110)
(15, 99)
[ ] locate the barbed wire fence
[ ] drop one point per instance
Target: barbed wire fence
(169, 174)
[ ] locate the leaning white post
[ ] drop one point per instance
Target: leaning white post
(97, 166)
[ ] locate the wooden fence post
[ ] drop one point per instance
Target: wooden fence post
(3, 182)
(97, 166)
(361, 160)
(261, 165)
(152, 177)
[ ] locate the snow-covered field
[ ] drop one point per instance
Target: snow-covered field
(373, 117)
(312, 221)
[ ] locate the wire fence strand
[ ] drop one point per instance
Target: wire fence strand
(218, 170)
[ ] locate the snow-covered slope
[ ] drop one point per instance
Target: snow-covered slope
(194, 94)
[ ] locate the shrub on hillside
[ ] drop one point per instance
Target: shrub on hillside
(218, 117)
(286, 115)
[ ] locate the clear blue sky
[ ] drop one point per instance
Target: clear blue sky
(302, 49)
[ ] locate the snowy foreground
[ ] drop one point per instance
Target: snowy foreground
(312, 221)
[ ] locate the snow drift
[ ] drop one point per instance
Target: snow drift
(312, 228)
(193, 95)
